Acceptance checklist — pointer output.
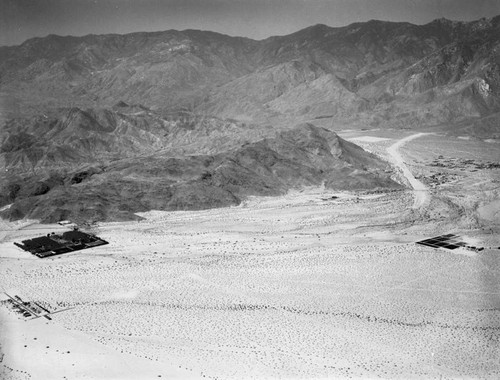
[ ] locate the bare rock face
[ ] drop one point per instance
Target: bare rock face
(303, 156)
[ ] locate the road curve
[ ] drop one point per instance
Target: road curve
(420, 191)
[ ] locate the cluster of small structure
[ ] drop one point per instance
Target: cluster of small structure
(462, 163)
(26, 308)
(437, 179)
(31, 309)
(53, 244)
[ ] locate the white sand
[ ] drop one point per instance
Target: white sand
(45, 350)
(287, 287)
(490, 211)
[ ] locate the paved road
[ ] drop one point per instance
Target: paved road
(420, 191)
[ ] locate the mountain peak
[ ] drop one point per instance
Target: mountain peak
(320, 26)
(314, 31)
(443, 21)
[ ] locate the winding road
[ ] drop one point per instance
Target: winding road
(420, 191)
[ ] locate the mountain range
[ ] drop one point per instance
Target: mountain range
(211, 118)
(366, 74)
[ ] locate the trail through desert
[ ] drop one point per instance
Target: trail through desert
(420, 191)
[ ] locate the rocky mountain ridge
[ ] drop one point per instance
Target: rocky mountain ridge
(302, 156)
(385, 73)
(66, 138)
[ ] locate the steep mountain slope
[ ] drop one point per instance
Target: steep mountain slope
(456, 82)
(303, 156)
(293, 88)
(67, 138)
(377, 74)
(165, 68)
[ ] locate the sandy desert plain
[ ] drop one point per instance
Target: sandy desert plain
(313, 284)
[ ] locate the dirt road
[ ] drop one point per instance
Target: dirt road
(421, 192)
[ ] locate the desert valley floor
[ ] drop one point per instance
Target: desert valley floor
(313, 284)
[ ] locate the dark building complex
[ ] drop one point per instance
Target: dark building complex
(448, 241)
(53, 244)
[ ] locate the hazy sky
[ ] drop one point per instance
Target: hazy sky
(23, 19)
